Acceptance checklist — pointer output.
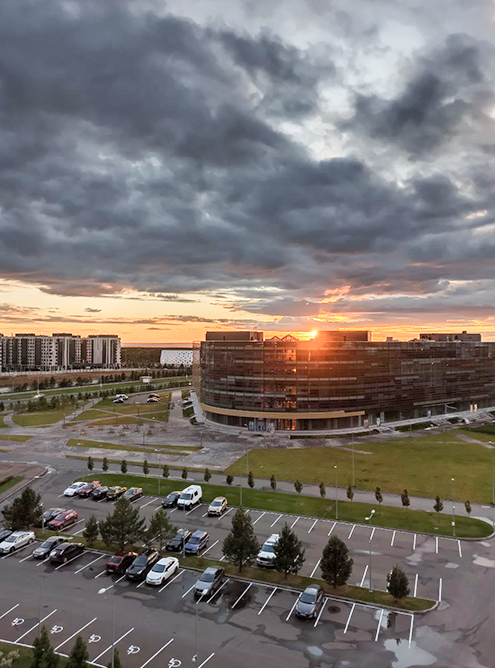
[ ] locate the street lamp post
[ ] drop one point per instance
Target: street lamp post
(103, 590)
(493, 476)
(453, 506)
(368, 519)
(353, 476)
(336, 495)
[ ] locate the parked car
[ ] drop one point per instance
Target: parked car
(16, 540)
(218, 506)
(63, 520)
(152, 400)
(99, 493)
(267, 553)
(197, 542)
(124, 397)
(142, 564)
(162, 571)
(211, 579)
(4, 533)
(310, 602)
(115, 492)
(120, 562)
(177, 542)
(49, 515)
(89, 488)
(133, 493)
(73, 489)
(171, 500)
(43, 551)
(66, 551)
(118, 401)
(189, 497)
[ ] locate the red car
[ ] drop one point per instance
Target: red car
(120, 562)
(88, 489)
(63, 520)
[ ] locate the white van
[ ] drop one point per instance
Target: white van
(189, 497)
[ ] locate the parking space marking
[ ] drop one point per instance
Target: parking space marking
(314, 569)
(172, 511)
(12, 608)
(26, 558)
(43, 562)
(379, 625)
(244, 592)
(76, 633)
(147, 504)
(37, 624)
(351, 531)
(90, 563)
(219, 590)
(321, 612)
(193, 509)
(74, 525)
(100, 574)
(141, 583)
(295, 522)
(372, 534)
(436, 545)
(414, 541)
(292, 609)
(275, 522)
(157, 653)
(211, 546)
(312, 526)
(70, 561)
(187, 592)
(411, 631)
(110, 646)
(349, 618)
(267, 601)
(334, 525)
(11, 554)
(204, 514)
(258, 518)
(205, 661)
(415, 585)
(393, 539)
(459, 546)
(228, 511)
(77, 533)
(440, 591)
(364, 575)
(170, 581)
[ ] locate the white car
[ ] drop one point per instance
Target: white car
(73, 489)
(267, 553)
(162, 570)
(218, 506)
(16, 540)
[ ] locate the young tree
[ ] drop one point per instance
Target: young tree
(91, 530)
(298, 486)
(43, 653)
(438, 505)
(467, 506)
(91, 464)
(207, 475)
(25, 511)
(79, 656)
(336, 565)
(229, 479)
(406, 501)
(378, 495)
(397, 583)
(350, 492)
(323, 491)
(184, 473)
(160, 529)
(123, 467)
(165, 471)
(116, 660)
(273, 482)
(241, 546)
(104, 464)
(289, 552)
(250, 479)
(124, 527)
(146, 467)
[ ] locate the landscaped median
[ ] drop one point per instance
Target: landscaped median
(103, 445)
(438, 524)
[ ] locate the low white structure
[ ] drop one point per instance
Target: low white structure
(176, 357)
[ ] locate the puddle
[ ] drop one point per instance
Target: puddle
(451, 565)
(406, 657)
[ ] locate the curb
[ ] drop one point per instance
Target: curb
(16, 490)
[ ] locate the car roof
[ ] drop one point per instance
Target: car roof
(198, 533)
(273, 538)
(165, 560)
(219, 498)
(211, 570)
(313, 588)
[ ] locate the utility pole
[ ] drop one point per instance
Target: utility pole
(369, 521)
(336, 495)
(453, 506)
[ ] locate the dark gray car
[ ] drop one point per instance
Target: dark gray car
(310, 602)
(210, 581)
(43, 551)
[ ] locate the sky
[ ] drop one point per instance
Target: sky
(168, 168)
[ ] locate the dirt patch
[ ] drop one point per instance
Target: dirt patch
(27, 471)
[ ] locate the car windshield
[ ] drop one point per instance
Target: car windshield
(48, 543)
(74, 486)
(11, 539)
(208, 576)
(194, 539)
(60, 517)
(115, 560)
(308, 597)
(158, 568)
(186, 497)
(269, 548)
(140, 561)
(216, 503)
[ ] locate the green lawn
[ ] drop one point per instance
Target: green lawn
(422, 465)
(7, 484)
(25, 654)
(41, 418)
(102, 445)
(14, 437)
(3, 424)
(385, 516)
(188, 412)
(115, 413)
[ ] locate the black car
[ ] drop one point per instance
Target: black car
(43, 551)
(49, 515)
(99, 493)
(310, 602)
(4, 533)
(143, 563)
(133, 493)
(170, 500)
(177, 542)
(66, 551)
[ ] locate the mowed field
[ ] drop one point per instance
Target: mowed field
(422, 465)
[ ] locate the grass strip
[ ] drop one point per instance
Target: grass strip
(24, 655)
(14, 437)
(102, 444)
(3, 424)
(74, 443)
(10, 482)
(438, 524)
(133, 463)
(42, 418)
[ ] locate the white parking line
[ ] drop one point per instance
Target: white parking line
(228, 511)
(26, 558)
(120, 579)
(440, 590)
(295, 522)
(411, 630)
(70, 561)
(275, 522)
(157, 653)
(314, 569)
(244, 592)
(349, 618)
(43, 562)
(415, 585)
(414, 541)
(204, 514)
(219, 590)
(74, 525)
(459, 546)
(364, 575)
(110, 646)
(205, 661)
(267, 601)
(351, 531)
(321, 612)
(11, 554)
(436, 545)
(172, 511)
(187, 592)
(90, 563)
(100, 574)
(77, 533)
(379, 625)
(193, 509)
(334, 525)
(12, 608)
(292, 609)
(312, 526)
(141, 583)
(170, 581)
(258, 518)
(76, 633)
(37, 623)
(210, 547)
(147, 504)
(372, 534)
(393, 538)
